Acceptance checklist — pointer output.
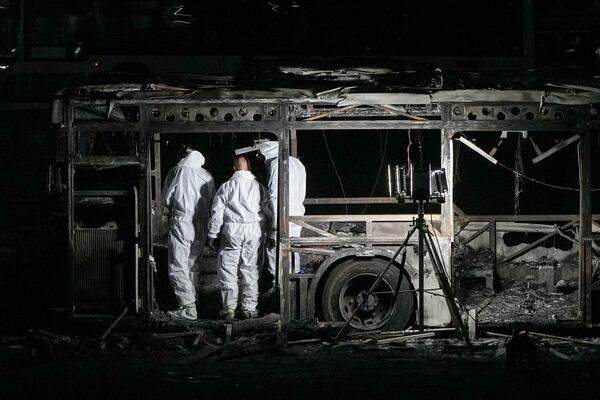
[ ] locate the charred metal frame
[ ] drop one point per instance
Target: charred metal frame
(450, 114)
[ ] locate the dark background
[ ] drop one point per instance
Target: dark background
(47, 45)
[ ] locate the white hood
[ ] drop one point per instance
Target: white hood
(270, 149)
(194, 159)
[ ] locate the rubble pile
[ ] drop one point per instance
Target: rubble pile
(349, 229)
(541, 291)
(528, 302)
(543, 261)
(464, 256)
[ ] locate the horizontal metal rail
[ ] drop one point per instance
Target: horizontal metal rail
(345, 241)
(358, 218)
(523, 217)
(350, 200)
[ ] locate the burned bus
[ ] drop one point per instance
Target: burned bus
(494, 227)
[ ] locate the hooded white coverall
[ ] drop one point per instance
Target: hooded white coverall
(187, 193)
(241, 211)
(297, 193)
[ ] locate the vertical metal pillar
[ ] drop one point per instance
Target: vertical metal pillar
(283, 253)
(155, 164)
(293, 143)
(153, 174)
(494, 247)
(447, 209)
(71, 150)
(585, 226)
(145, 295)
(447, 162)
(421, 291)
(493, 239)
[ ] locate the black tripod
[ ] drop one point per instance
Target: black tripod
(425, 242)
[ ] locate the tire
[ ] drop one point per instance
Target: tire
(349, 282)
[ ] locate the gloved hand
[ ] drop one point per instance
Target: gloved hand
(211, 243)
(269, 243)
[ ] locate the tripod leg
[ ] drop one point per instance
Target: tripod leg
(442, 278)
(402, 263)
(377, 280)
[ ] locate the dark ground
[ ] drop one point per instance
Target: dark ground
(301, 372)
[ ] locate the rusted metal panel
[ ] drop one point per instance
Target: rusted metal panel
(99, 270)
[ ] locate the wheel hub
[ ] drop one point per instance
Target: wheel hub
(371, 303)
(378, 307)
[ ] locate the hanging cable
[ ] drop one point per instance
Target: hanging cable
(382, 154)
(457, 171)
(420, 147)
(579, 165)
(518, 175)
(335, 169)
(572, 189)
(408, 150)
(543, 183)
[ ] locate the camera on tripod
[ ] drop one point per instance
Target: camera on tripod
(414, 184)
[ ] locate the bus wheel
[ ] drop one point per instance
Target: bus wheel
(349, 283)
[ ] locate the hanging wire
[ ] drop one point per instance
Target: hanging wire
(408, 150)
(518, 175)
(382, 154)
(541, 182)
(335, 169)
(457, 171)
(579, 165)
(420, 147)
(538, 181)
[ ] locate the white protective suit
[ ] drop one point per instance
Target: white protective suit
(187, 193)
(297, 193)
(241, 212)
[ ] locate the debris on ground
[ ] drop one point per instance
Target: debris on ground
(525, 302)
(540, 291)
(221, 341)
(239, 338)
